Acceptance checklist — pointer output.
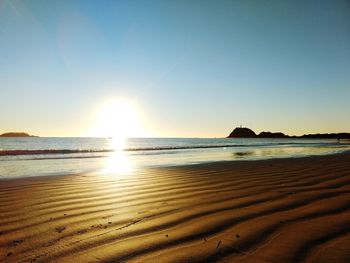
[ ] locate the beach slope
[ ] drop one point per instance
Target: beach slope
(282, 210)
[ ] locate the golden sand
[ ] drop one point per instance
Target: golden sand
(287, 210)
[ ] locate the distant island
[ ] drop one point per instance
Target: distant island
(16, 134)
(243, 132)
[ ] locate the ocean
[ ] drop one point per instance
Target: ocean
(37, 156)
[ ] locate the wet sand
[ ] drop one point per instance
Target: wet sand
(286, 210)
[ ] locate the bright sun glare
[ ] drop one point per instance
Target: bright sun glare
(118, 119)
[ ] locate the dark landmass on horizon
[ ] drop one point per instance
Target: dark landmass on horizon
(16, 134)
(243, 132)
(239, 132)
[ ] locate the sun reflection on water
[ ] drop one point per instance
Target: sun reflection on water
(118, 161)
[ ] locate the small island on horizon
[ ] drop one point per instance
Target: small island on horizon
(244, 132)
(16, 134)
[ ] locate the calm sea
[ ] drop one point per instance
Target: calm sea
(34, 156)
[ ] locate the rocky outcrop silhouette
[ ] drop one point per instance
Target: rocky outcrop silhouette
(240, 132)
(272, 135)
(342, 135)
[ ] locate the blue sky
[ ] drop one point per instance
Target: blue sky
(193, 68)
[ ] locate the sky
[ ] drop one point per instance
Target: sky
(188, 68)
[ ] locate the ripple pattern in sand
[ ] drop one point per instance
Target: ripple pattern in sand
(288, 210)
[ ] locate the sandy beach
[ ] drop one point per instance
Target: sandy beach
(282, 210)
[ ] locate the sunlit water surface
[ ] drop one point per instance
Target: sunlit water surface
(23, 157)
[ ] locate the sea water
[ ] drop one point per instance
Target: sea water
(36, 156)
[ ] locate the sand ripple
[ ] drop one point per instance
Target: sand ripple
(288, 210)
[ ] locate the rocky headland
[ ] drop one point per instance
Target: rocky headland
(243, 132)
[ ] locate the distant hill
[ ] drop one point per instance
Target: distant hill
(342, 135)
(272, 135)
(241, 132)
(16, 134)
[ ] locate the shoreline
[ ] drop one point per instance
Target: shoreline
(345, 152)
(280, 210)
(204, 163)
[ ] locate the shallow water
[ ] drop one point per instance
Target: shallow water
(22, 157)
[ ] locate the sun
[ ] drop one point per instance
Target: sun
(119, 120)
